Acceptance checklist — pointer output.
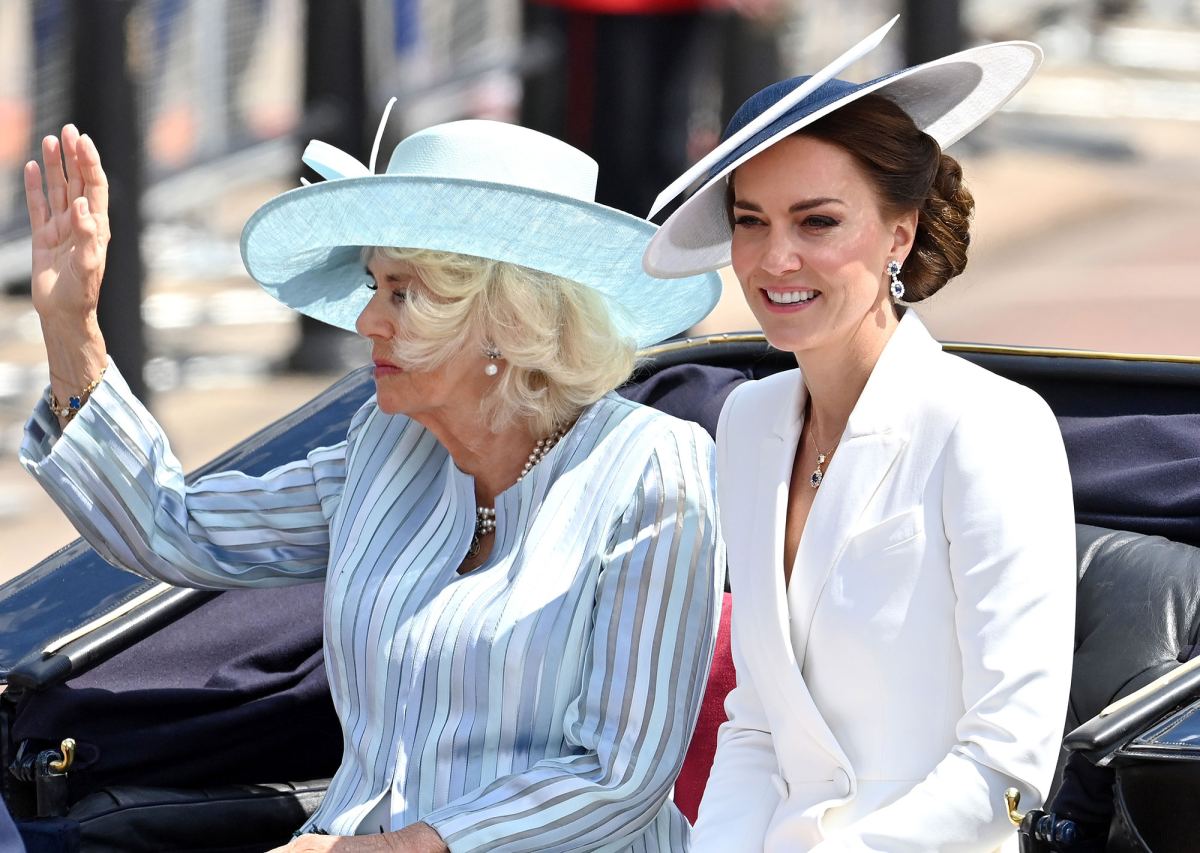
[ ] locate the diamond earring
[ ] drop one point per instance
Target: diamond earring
(489, 350)
(897, 286)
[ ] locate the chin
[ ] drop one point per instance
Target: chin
(790, 339)
(389, 406)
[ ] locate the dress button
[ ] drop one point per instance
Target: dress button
(780, 785)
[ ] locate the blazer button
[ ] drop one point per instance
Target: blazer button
(842, 778)
(780, 784)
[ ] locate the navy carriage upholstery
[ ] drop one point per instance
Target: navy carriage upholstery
(234, 691)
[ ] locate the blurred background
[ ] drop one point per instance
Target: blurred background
(1087, 232)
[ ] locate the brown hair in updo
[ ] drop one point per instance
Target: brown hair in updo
(909, 170)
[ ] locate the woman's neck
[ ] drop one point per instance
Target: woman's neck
(494, 459)
(835, 377)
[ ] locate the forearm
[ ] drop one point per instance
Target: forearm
(75, 352)
(560, 805)
(959, 806)
(740, 798)
(416, 838)
(115, 477)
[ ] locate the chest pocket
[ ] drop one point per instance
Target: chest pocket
(875, 579)
(890, 534)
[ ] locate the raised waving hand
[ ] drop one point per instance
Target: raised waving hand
(69, 223)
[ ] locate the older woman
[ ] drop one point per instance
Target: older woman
(900, 527)
(521, 567)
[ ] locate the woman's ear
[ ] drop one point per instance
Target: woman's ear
(904, 232)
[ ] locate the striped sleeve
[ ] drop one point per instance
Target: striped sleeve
(113, 474)
(654, 622)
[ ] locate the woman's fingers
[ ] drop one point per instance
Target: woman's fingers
(73, 173)
(82, 221)
(70, 144)
(85, 229)
(56, 182)
(95, 182)
(35, 199)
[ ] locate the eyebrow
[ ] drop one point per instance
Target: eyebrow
(807, 204)
(390, 277)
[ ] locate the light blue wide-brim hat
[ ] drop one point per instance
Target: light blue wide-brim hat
(474, 187)
(946, 98)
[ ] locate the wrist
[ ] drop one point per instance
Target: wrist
(66, 408)
(75, 348)
(70, 325)
(419, 837)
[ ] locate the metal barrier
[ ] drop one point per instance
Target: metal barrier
(220, 87)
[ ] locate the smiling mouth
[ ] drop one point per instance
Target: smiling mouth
(791, 297)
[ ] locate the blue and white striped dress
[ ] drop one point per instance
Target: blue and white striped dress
(543, 701)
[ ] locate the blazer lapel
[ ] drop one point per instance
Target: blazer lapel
(778, 620)
(854, 475)
(766, 602)
(875, 433)
(769, 485)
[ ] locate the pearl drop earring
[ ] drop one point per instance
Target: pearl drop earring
(491, 368)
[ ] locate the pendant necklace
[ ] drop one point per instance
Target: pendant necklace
(818, 474)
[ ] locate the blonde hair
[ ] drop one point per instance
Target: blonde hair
(562, 349)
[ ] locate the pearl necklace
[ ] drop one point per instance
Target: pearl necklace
(485, 516)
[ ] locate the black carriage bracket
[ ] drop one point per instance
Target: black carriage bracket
(47, 769)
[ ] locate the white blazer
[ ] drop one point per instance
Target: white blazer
(919, 661)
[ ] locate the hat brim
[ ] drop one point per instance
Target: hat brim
(947, 98)
(304, 246)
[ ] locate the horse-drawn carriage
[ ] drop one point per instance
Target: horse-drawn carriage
(138, 716)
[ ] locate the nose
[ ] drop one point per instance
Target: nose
(374, 321)
(781, 254)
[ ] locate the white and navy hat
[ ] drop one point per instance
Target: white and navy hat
(946, 98)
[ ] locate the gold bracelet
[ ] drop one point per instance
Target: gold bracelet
(74, 403)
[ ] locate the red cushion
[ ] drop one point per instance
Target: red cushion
(689, 787)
